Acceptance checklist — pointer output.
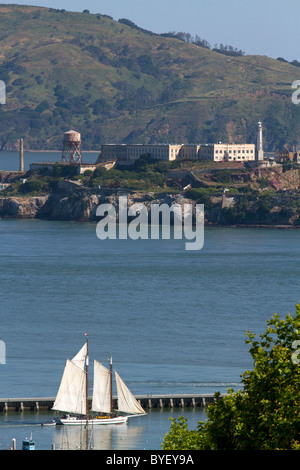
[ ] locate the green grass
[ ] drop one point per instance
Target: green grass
(153, 88)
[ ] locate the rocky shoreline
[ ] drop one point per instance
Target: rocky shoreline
(77, 207)
(82, 206)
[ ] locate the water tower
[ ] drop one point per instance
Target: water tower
(71, 147)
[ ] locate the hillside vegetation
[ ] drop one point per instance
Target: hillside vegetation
(115, 82)
(267, 197)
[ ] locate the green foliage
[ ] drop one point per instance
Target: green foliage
(111, 78)
(202, 196)
(229, 50)
(198, 193)
(265, 415)
(63, 171)
(32, 187)
(144, 175)
(134, 26)
(223, 176)
(180, 437)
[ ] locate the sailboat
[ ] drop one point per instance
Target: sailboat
(72, 396)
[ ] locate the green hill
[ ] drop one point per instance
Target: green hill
(115, 82)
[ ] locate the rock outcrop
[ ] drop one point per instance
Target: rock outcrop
(22, 207)
(282, 209)
(78, 206)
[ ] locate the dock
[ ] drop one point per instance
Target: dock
(148, 402)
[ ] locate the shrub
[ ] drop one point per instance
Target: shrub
(33, 186)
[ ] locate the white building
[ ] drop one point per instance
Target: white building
(190, 151)
(131, 152)
(169, 152)
(227, 152)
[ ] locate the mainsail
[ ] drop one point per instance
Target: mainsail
(127, 403)
(71, 396)
(101, 391)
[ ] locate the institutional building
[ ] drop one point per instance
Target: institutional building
(131, 152)
(169, 152)
(227, 152)
(287, 156)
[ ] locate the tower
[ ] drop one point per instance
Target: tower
(21, 156)
(71, 147)
(259, 150)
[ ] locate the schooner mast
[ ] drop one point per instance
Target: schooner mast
(72, 396)
(87, 391)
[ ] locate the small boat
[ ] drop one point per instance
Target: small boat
(28, 444)
(72, 396)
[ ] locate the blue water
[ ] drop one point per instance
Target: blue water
(173, 320)
(9, 161)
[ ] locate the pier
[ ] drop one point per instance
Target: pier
(148, 402)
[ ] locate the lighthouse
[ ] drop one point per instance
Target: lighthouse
(259, 150)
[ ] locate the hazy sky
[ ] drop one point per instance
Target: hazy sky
(265, 27)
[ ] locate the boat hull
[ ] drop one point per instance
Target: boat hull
(91, 422)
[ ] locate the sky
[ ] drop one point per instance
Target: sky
(263, 27)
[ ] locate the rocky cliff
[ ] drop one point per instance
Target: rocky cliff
(77, 206)
(22, 207)
(282, 209)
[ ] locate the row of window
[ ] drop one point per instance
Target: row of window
(234, 151)
(233, 158)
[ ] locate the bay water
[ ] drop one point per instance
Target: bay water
(9, 161)
(173, 320)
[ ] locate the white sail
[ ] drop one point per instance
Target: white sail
(126, 401)
(81, 356)
(71, 396)
(101, 391)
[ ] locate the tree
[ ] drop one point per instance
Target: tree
(181, 438)
(265, 415)
(32, 186)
